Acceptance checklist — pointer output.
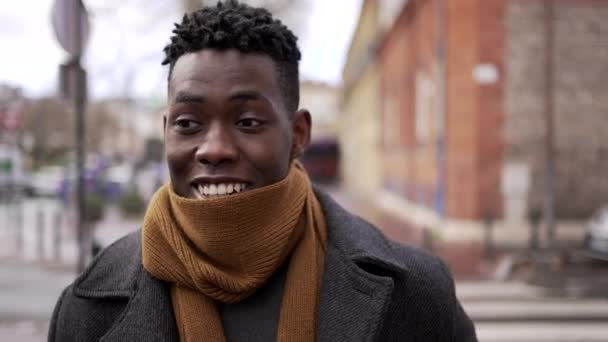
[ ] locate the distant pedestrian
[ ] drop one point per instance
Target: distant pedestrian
(239, 246)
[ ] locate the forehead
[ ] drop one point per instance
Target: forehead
(223, 69)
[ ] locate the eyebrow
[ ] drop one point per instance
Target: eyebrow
(246, 95)
(185, 97)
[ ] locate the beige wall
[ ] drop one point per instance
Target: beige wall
(359, 121)
(359, 136)
(322, 101)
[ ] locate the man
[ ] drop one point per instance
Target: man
(239, 246)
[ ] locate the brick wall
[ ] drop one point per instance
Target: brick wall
(474, 115)
(472, 34)
(580, 74)
(408, 55)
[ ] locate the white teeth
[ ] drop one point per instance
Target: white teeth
(221, 189)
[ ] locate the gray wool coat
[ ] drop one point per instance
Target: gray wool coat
(373, 290)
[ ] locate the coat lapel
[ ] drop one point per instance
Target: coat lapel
(148, 316)
(354, 300)
(353, 303)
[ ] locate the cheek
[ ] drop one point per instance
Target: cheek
(271, 156)
(177, 157)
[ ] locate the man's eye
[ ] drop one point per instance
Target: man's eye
(249, 123)
(185, 124)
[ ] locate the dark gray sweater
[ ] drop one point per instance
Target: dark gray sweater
(256, 317)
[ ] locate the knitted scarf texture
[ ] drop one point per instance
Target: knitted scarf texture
(224, 249)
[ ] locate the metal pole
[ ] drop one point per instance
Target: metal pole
(19, 224)
(534, 217)
(79, 107)
(441, 111)
(549, 208)
(488, 243)
(40, 231)
(57, 235)
(70, 21)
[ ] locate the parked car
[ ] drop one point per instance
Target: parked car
(47, 182)
(596, 236)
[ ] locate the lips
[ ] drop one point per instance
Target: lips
(218, 189)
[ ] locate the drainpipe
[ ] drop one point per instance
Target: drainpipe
(441, 114)
(549, 201)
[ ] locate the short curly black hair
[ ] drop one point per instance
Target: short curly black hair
(234, 25)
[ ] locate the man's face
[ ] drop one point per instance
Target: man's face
(227, 129)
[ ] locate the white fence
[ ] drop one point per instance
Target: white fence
(37, 230)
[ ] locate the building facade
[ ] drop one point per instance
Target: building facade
(359, 123)
(441, 123)
(478, 97)
(556, 55)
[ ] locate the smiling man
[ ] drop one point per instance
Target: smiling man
(230, 125)
(239, 246)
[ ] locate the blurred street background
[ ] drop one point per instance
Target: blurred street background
(475, 129)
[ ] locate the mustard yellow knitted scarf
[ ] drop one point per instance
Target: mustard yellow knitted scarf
(224, 249)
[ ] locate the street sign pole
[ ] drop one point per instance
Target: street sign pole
(84, 236)
(70, 21)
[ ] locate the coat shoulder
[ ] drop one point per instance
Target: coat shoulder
(363, 241)
(421, 263)
(89, 306)
(423, 301)
(114, 271)
(425, 272)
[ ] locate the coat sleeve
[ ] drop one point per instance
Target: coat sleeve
(463, 329)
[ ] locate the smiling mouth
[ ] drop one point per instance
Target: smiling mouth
(214, 190)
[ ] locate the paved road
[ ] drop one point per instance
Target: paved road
(518, 312)
(28, 293)
(31, 275)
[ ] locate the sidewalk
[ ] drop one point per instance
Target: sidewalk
(29, 289)
(515, 311)
(28, 295)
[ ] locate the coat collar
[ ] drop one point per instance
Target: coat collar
(119, 275)
(356, 288)
(354, 299)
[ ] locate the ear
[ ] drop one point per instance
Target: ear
(164, 126)
(301, 126)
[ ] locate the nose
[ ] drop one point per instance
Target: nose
(217, 147)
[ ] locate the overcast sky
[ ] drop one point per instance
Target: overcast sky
(125, 46)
